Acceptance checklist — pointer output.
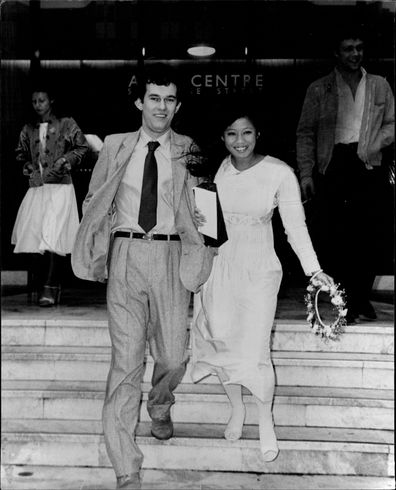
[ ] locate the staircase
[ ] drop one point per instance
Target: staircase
(333, 411)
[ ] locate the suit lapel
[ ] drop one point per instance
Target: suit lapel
(125, 150)
(178, 148)
(178, 167)
(106, 194)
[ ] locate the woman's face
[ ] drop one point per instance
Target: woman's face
(41, 104)
(240, 138)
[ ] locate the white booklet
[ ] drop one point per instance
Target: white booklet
(207, 204)
(95, 143)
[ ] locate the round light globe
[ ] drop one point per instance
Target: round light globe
(201, 50)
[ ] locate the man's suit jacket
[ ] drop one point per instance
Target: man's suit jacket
(317, 124)
(93, 241)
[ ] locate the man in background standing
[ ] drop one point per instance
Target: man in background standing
(347, 119)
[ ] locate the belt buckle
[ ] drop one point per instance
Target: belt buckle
(148, 236)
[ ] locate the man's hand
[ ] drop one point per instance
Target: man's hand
(27, 169)
(199, 218)
(307, 188)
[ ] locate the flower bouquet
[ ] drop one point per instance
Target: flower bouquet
(333, 330)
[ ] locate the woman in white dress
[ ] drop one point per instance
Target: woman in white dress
(235, 310)
(47, 218)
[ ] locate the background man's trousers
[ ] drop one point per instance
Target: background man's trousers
(146, 301)
(347, 223)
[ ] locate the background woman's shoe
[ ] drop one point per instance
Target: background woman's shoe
(49, 296)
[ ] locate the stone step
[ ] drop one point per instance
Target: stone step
(201, 447)
(66, 478)
(375, 338)
(331, 369)
(201, 388)
(326, 407)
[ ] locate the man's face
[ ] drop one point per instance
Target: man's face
(350, 54)
(158, 108)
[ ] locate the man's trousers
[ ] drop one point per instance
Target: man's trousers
(146, 302)
(348, 220)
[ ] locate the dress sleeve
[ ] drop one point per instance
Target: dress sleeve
(78, 145)
(22, 151)
(293, 218)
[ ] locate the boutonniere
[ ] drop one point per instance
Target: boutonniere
(202, 162)
(52, 130)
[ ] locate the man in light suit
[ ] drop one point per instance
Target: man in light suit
(151, 266)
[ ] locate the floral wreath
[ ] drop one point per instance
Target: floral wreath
(334, 329)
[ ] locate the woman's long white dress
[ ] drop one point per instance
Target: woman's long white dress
(235, 310)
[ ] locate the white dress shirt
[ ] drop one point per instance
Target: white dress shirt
(127, 200)
(350, 110)
(43, 128)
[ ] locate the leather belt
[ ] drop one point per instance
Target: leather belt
(145, 236)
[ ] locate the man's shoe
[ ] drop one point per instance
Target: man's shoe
(129, 482)
(367, 311)
(351, 318)
(162, 428)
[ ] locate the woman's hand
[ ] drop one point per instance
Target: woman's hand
(199, 218)
(324, 280)
(57, 171)
(62, 165)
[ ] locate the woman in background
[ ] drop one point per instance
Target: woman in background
(235, 310)
(47, 218)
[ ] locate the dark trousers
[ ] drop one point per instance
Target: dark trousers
(345, 228)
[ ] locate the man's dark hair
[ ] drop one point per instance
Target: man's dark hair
(157, 73)
(348, 32)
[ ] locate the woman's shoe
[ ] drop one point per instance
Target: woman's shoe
(49, 296)
(233, 431)
(268, 443)
(270, 455)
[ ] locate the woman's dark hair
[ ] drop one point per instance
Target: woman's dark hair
(158, 74)
(204, 159)
(231, 115)
(42, 86)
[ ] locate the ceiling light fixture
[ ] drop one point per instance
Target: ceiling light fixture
(201, 50)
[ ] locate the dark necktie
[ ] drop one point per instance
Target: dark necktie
(148, 200)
